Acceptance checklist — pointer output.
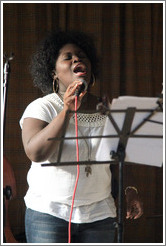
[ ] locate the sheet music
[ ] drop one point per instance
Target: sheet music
(148, 151)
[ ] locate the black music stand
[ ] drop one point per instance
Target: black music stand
(127, 130)
(118, 153)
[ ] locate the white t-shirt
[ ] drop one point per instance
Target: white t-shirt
(51, 188)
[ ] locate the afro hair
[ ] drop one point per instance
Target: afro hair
(43, 61)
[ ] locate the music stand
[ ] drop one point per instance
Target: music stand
(127, 127)
(121, 134)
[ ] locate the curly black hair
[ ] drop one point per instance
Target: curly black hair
(43, 61)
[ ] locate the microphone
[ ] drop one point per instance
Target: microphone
(82, 88)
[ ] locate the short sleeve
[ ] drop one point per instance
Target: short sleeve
(39, 109)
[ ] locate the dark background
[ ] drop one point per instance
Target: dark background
(129, 39)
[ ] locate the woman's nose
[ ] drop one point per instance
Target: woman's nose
(76, 59)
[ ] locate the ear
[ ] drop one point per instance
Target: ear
(54, 75)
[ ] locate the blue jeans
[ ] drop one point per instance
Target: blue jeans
(45, 228)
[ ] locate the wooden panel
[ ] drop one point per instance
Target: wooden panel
(129, 42)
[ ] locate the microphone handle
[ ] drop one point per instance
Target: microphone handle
(82, 88)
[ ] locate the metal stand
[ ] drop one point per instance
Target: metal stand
(119, 155)
(5, 86)
(7, 191)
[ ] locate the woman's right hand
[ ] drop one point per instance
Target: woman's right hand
(69, 96)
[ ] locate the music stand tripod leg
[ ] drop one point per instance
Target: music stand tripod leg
(120, 157)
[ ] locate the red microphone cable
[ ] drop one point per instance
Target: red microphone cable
(78, 171)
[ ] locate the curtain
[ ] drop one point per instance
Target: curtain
(129, 40)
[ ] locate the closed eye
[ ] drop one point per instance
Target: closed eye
(68, 57)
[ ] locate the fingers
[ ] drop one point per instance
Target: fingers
(128, 215)
(69, 96)
(135, 211)
(138, 215)
(82, 95)
(139, 212)
(72, 87)
(134, 215)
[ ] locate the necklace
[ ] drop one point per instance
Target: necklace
(88, 168)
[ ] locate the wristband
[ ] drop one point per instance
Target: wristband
(131, 187)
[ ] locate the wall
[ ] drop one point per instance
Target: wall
(129, 42)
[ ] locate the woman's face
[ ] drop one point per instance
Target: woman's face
(71, 64)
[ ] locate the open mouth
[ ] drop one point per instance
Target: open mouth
(80, 69)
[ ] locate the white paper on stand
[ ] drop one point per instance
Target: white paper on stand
(140, 150)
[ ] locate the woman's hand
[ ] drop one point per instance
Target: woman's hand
(134, 204)
(69, 96)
